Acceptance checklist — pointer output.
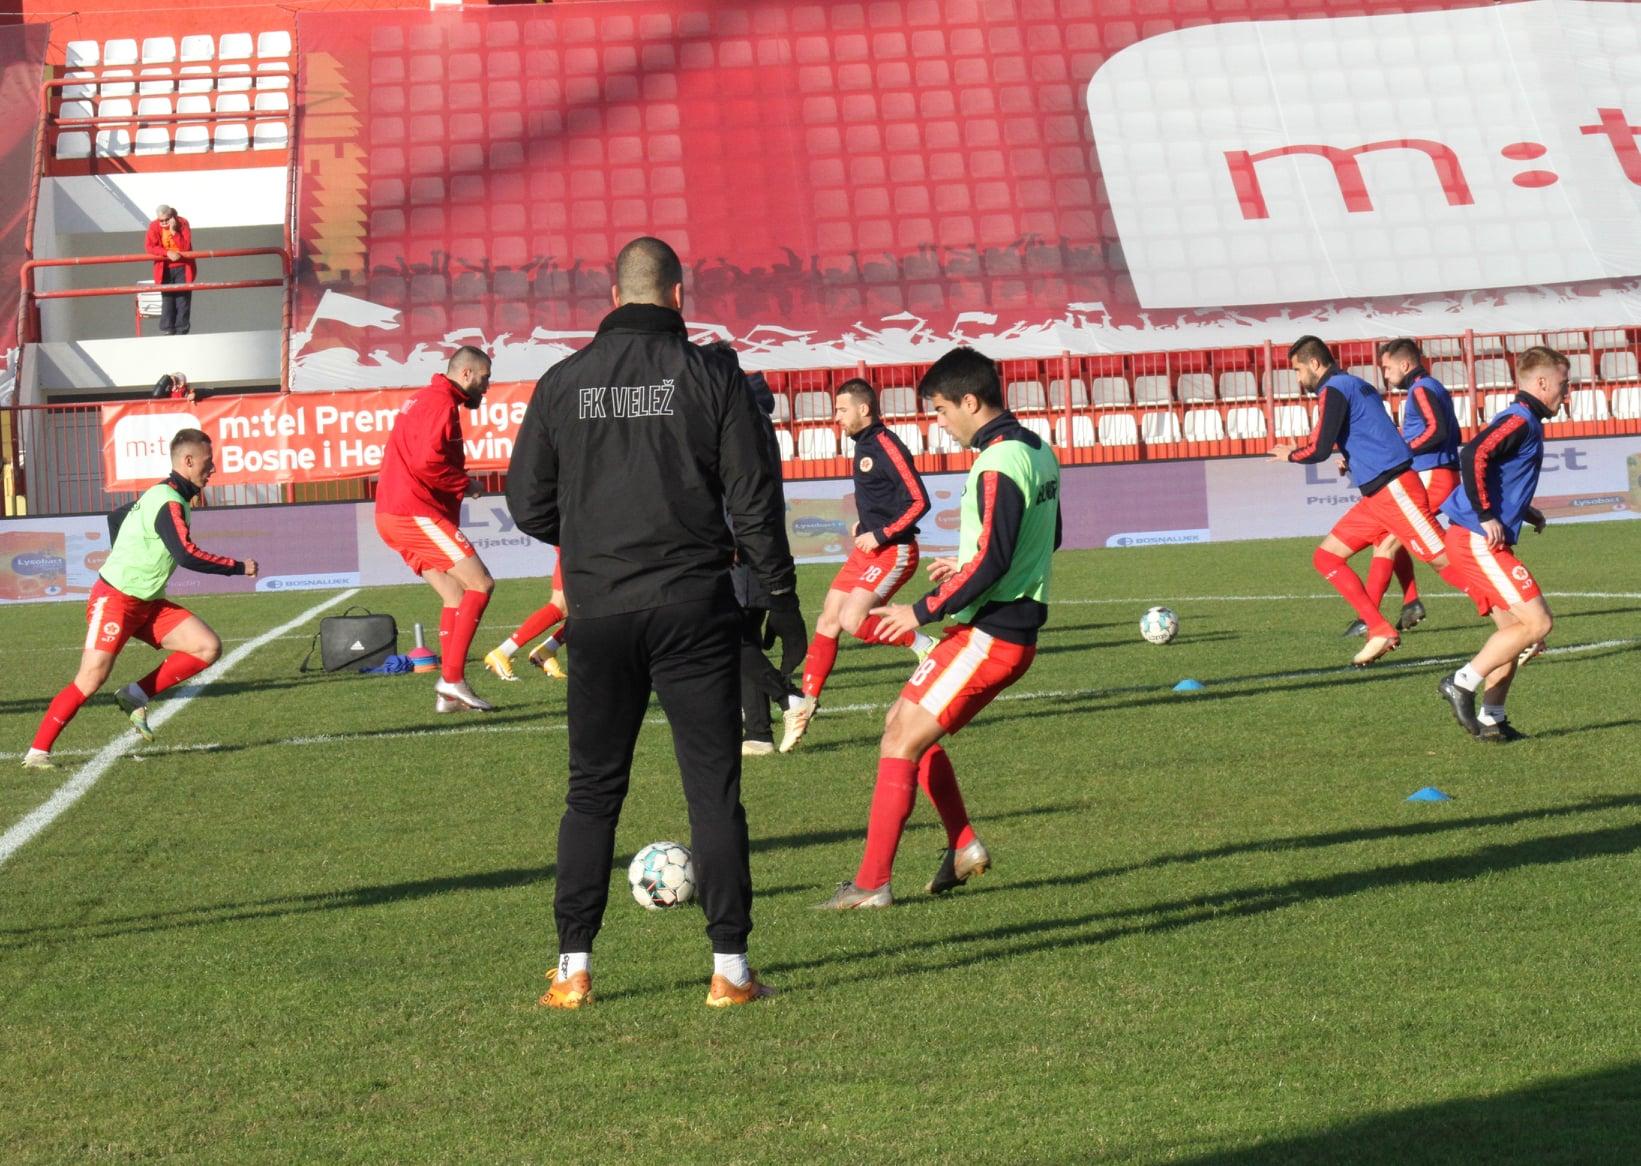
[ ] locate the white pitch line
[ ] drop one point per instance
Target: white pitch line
(1057, 602)
(828, 710)
(88, 774)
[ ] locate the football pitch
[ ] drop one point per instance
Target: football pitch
(310, 922)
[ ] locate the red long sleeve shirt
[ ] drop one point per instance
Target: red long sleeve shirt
(424, 471)
(157, 244)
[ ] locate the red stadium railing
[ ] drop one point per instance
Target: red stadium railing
(28, 316)
(1101, 409)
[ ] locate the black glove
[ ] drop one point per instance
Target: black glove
(788, 627)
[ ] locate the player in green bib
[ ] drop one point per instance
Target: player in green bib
(996, 591)
(151, 541)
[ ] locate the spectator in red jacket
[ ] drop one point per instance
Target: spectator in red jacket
(169, 242)
(419, 503)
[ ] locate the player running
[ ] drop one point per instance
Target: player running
(997, 592)
(128, 599)
(419, 503)
(1351, 417)
(545, 654)
(889, 498)
(1500, 469)
(1431, 430)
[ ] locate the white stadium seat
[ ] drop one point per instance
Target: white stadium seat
(1151, 390)
(1619, 366)
(1026, 395)
(1196, 387)
(1118, 429)
(1082, 432)
(1159, 428)
(1238, 386)
(1245, 424)
(813, 405)
(1110, 391)
(817, 443)
(1204, 425)
(1079, 393)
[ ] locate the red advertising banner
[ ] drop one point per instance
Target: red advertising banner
(298, 437)
(876, 182)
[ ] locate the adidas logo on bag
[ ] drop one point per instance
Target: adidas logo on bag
(357, 646)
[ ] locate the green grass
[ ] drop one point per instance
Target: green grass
(1215, 930)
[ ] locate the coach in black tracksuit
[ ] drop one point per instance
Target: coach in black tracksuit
(628, 457)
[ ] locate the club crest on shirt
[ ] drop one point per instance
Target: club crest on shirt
(865, 465)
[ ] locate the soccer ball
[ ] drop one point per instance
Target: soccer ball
(1159, 625)
(662, 875)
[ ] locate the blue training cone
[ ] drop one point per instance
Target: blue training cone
(1189, 685)
(1429, 794)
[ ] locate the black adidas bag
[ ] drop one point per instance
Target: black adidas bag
(353, 641)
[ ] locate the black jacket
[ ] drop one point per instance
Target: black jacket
(629, 456)
(889, 496)
(749, 592)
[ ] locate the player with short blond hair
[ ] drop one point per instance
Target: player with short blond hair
(1500, 469)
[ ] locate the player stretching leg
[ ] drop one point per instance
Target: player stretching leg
(128, 599)
(545, 655)
(1351, 417)
(418, 504)
(997, 591)
(1431, 430)
(890, 498)
(1500, 469)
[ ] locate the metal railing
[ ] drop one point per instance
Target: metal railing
(28, 316)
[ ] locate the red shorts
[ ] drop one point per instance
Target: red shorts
(1401, 508)
(425, 544)
(1493, 578)
(1438, 484)
(112, 617)
(965, 672)
(558, 573)
(882, 572)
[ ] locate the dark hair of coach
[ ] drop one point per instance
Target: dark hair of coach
(629, 455)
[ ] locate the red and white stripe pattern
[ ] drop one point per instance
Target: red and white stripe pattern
(892, 579)
(1418, 521)
(955, 677)
(94, 622)
(1495, 572)
(449, 547)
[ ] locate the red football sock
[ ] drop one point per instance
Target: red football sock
(538, 622)
(1404, 576)
(174, 669)
(61, 711)
(447, 624)
(891, 805)
(867, 633)
(1338, 573)
(1378, 579)
(817, 665)
(466, 622)
(939, 781)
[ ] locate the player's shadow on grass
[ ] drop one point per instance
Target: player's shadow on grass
(857, 833)
(1406, 671)
(1587, 1117)
(1574, 730)
(382, 894)
(1288, 842)
(214, 914)
(453, 725)
(986, 947)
